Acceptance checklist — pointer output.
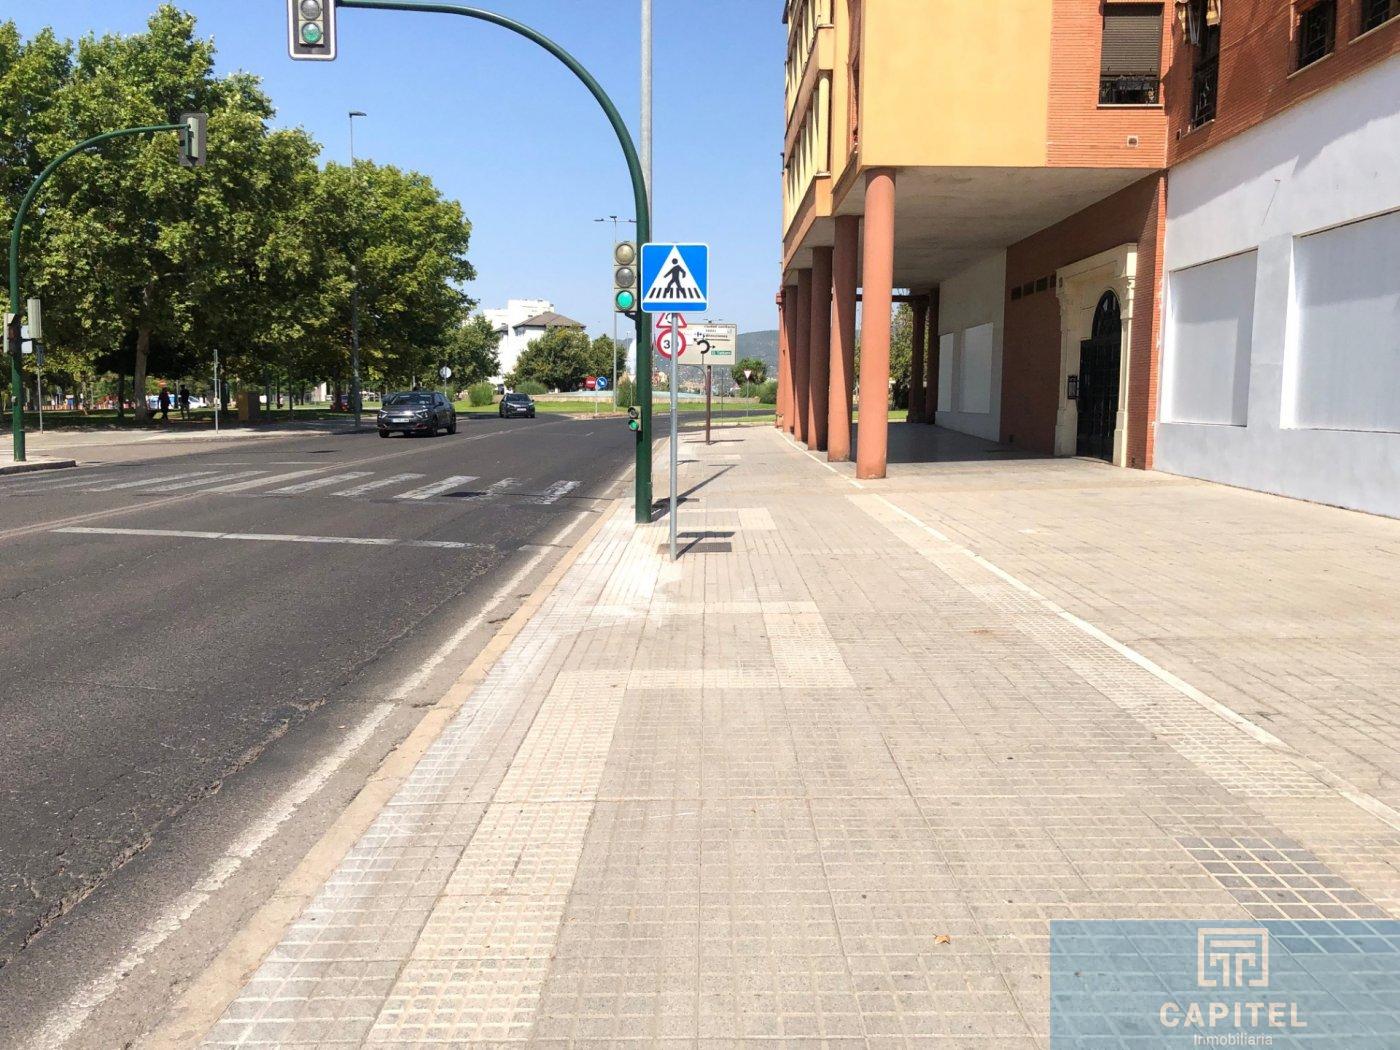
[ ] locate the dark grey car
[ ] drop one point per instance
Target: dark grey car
(517, 405)
(417, 412)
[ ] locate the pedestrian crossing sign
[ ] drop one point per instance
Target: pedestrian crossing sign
(675, 278)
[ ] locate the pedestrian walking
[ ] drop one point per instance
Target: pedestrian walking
(184, 401)
(164, 402)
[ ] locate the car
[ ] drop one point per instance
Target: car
(416, 412)
(517, 405)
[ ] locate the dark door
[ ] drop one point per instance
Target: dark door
(1100, 359)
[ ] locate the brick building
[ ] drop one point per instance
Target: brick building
(1125, 228)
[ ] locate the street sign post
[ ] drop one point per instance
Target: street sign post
(675, 281)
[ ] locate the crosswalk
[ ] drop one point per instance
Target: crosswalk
(348, 484)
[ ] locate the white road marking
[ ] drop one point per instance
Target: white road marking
(68, 1020)
(370, 486)
(555, 492)
(243, 486)
(268, 537)
(197, 482)
(153, 481)
(462, 633)
(504, 485)
(438, 487)
(317, 483)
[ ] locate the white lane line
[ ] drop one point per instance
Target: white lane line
(438, 487)
(153, 481)
(380, 483)
(447, 648)
(318, 483)
(69, 1019)
(268, 537)
(243, 486)
(555, 492)
(197, 482)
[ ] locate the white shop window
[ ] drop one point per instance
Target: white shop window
(1344, 369)
(975, 370)
(1212, 330)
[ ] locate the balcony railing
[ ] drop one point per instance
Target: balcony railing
(811, 154)
(804, 19)
(1204, 84)
(1139, 89)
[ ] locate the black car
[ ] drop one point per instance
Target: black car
(417, 412)
(517, 405)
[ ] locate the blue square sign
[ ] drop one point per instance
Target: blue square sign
(675, 278)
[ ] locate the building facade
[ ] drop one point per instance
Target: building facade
(519, 324)
(1046, 181)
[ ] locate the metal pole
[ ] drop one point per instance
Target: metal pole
(39, 384)
(217, 399)
(354, 299)
(16, 377)
(646, 99)
(675, 431)
(709, 387)
(639, 193)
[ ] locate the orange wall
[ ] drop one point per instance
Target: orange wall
(1258, 53)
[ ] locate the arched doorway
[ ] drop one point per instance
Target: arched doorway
(1100, 364)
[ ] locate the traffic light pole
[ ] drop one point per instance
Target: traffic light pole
(13, 335)
(639, 192)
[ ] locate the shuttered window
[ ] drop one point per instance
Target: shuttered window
(1132, 53)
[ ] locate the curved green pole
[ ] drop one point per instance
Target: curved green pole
(16, 379)
(639, 193)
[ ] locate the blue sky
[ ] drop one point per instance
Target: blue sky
(504, 128)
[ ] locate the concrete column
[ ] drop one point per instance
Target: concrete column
(819, 371)
(801, 350)
(843, 349)
(872, 435)
(916, 360)
(781, 412)
(935, 363)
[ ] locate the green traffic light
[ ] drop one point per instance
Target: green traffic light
(626, 301)
(311, 34)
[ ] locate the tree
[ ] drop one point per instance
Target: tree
(471, 352)
(560, 360)
(748, 364)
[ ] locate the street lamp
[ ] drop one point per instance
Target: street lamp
(354, 300)
(616, 223)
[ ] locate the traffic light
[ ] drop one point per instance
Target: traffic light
(625, 278)
(634, 418)
(311, 29)
(194, 140)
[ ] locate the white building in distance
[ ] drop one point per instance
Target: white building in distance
(519, 324)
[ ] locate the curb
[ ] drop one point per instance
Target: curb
(207, 996)
(30, 466)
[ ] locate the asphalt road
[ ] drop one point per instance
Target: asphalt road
(171, 618)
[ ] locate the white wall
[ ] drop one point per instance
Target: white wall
(1314, 349)
(1212, 325)
(971, 320)
(508, 317)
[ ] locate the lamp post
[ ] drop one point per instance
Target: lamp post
(616, 223)
(355, 298)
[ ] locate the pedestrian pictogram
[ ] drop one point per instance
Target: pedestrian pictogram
(670, 335)
(675, 278)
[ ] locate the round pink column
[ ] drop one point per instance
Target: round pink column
(872, 433)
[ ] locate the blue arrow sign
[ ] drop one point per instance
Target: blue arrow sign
(675, 278)
(602, 383)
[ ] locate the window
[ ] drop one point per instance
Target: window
(1377, 12)
(1131, 66)
(1317, 32)
(1210, 335)
(1203, 33)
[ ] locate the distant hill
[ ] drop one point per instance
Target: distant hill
(762, 345)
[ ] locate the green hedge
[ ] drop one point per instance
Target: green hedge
(625, 395)
(481, 394)
(530, 387)
(768, 393)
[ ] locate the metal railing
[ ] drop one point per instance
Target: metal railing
(1205, 82)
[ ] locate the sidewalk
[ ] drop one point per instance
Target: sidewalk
(829, 779)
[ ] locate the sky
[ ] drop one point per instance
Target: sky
(503, 127)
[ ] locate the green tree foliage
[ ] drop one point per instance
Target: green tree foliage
(529, 386)
(148, 267)
(626, 394)
(768, 395)
(472, 351)
(481, 394)
(749, 364)
(562, 358)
